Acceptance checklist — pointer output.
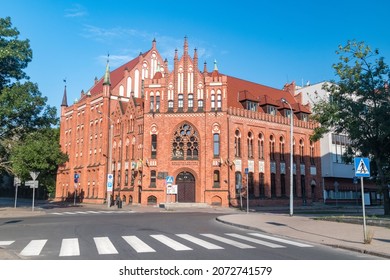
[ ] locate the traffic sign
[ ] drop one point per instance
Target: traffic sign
(362, 167)
(110, 182)
(34, 175)
(169, 179)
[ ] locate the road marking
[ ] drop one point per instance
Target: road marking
(280, 240)
(104, 246)
(33, 248)
(200, 242)
(257, 241)
(228, 241)
(6, 243)
(70, 247)
(171, 243)
(138, 245)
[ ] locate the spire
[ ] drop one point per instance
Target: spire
(107, 73)
(185, 45)
(64, 97)
(215, 65)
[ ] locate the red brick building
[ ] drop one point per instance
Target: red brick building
(214, 133)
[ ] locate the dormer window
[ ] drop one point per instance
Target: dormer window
(251, 106)
(271, 110)
(304, 117)
(287, 113)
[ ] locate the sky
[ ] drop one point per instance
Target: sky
(267, 42)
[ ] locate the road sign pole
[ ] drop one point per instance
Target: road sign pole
(33, 198)
(364, 211)
(16, 195)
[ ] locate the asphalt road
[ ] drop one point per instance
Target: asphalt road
(126, 235)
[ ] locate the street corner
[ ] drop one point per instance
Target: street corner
(7, 212)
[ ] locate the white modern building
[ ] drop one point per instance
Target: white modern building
(338, 177)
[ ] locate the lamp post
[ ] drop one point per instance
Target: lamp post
(109, 167)
(291, 156)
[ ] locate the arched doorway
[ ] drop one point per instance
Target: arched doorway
(185, 187)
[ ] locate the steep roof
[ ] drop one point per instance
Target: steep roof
(116, 75)
(240, 90)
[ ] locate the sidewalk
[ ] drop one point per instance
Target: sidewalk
(300, 226)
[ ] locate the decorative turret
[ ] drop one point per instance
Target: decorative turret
(64, 102)
(107, 73)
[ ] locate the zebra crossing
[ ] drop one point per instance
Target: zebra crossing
(70, 247)
(89, 212)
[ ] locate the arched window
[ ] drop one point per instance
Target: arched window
(301, 150)
(250, 144)
(312, 152)
(238, 182)
(261, 146)
(185, 143)
(212, 100)
(272, 147)
(281, 148)
(153, 178)
(219, 100)
(237, 144)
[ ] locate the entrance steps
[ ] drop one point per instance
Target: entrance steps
(177, 205)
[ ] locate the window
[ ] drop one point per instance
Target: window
(261, 184)
(301, 150)
(216, 179)
(180, 103)
(312, 153)
(271, 110)
(237, 144)
(216, 144)
(157, 103)
(287, 113)
(190, 101)
(200, 104)
(281, 148)
(151, 103)
(170, 105)
(273, 185)
(154, 145)
(340, 144)
(260, 142)
(219, 101)
(251, 106)
(251, 185)
(283, 184)
(185, 143)
(126, 177)
(152, 178)
(238, 182)
(272, 147)
(304, 117)
(250, 144)
(213, 101)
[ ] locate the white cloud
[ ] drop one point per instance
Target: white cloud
(77, 10)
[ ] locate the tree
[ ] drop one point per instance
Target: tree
(39, 151)
(359, 107)
(23, 109)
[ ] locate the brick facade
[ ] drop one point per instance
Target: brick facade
(203, 128)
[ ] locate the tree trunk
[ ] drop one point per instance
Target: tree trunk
(384, 187)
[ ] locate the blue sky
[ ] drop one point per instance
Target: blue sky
(267, 42)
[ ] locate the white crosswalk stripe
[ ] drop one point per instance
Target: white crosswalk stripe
(138, 245)
(90, 212)
(104, 246)
(257, 241)
(70, 247)
(171, 243)
(34, 248)
(285, 241)
(200, 242)
(228, 241)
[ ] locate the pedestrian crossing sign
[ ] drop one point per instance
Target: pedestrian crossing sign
(362, 167)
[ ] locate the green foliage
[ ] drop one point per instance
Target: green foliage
(15, 54)
(23, 109)
(359, 106)
(38, 151)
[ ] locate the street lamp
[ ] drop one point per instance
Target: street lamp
(109, 167)
(291, 156)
